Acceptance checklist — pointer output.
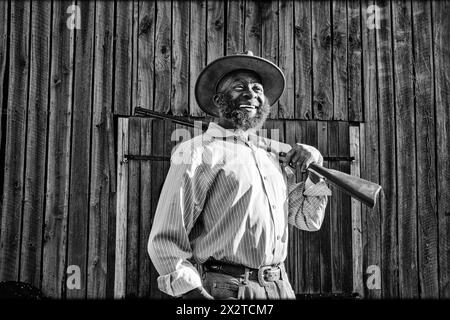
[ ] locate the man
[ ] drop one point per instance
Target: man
(227, 201)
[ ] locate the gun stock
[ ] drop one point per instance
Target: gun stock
(362, 190)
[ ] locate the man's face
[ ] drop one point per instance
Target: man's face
(241, 100)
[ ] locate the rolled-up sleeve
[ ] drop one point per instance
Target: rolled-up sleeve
(307, 204)
(180, 204)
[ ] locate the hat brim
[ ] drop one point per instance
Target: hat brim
(271, 76)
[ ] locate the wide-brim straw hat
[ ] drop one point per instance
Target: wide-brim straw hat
(271, 76)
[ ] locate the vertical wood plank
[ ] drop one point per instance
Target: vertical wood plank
(214, 30)
(163, 52)
(146, 197)
(146, 54)
(235, 27)
(77, 241)
(313, 237)
(339, 55)
(253, 27)
(4, 55)
(441, 29)
(15, 141)
(345, 220)
(357, 266)
(36, 137)
(270, 38)
(135, 57)
(121, 210)
(427, 224)
(303, 64)
(321, 36)
(335, 213)
(303, 238)
(286, 103)
(157, 173)
(133, 212)
(180, 58)
(293, 266)
(406, 150)
(325, 230)
(387, 160)
(123, 57)
(58, 154)
(100, 148)
(370, 218)
(197, 49)
(354, 62)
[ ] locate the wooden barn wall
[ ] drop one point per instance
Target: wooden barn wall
(381, 66)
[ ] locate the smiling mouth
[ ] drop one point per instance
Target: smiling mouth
(247, 107)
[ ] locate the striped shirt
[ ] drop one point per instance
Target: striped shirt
(226, 196)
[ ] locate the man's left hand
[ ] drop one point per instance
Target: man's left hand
(303, 155)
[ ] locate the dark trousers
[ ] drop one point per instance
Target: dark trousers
(225, 286)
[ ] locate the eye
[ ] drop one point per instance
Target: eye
(257, 89)
(239, 87)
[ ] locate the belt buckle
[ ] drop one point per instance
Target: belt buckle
(261, 279)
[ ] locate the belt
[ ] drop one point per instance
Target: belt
(263, 275)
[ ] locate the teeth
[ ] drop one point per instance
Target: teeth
(246, 106)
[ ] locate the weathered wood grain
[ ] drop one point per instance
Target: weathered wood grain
(345, 220)
(146, 54)
(321, 36)
(123, 57)
(387, 161)
(146, 196)
(339, 54)
(121, 209)
(357, 265)
(58, 154)
(157, 174)
(354, 61)
(335, 213)
(77, 241)
(441, 34)
(370, 218)
(36, 137)
(270, 38)
(427, 224)
(406, 146)
(325, 236)
(100, 149)
(286, 103)
(15, 132)
(253, 27)
(163, 52)
(4, 46)
(180, 59)
(197, 49)
(235, 27)
(215, 30)
(133, 212)
(313, 237)
(303, 63)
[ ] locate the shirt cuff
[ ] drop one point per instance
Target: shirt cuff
(316, 189)
(179, 281)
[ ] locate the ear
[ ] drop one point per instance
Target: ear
(216, 99)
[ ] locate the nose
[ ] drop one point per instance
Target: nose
(249, 93)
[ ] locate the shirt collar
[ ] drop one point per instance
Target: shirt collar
(217, 131)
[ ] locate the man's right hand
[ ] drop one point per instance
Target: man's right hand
(198, 293)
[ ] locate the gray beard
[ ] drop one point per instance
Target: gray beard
(240, 118)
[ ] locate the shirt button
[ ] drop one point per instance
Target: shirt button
(278, 237)
(274, 206)
(265, 178)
